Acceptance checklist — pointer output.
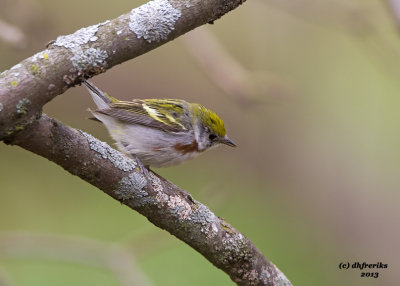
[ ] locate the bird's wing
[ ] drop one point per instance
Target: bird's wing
(165, 114)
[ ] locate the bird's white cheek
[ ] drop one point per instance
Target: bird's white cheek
(203, 144)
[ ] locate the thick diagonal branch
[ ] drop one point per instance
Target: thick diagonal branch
(163, 203)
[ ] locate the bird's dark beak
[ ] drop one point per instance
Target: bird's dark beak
(227, 141)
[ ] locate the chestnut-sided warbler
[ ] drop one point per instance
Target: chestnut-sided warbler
(159, 132)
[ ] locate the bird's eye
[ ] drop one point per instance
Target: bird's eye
(212, 136)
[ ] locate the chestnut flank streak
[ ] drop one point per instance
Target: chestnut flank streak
(187, 148)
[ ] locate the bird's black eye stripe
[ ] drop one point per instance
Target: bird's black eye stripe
(212, 136)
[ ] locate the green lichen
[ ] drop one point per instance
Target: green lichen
(45, 56)
(14, 83)
(15, 129)
(34, 70)
(25, 123)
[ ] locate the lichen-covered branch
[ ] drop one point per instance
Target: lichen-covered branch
(27, 86)
(163, 203)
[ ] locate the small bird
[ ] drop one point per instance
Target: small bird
(159, 132)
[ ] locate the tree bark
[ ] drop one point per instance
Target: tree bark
(27, 86)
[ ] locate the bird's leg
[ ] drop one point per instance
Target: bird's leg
(142, 168)
(145, 171)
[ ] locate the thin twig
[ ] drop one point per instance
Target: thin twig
(227, 73)
(12, 35)
(243, 85)
(74, 249)
(349, 16)
(394, 8)
(5, 280)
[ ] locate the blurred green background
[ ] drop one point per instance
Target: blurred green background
(309, 90)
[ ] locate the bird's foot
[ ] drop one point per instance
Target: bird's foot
(144, 170)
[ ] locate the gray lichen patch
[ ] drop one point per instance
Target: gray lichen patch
(176, 204)
(83, 57)
(203, 215)
(154, 20)
(156, 183)
(131, 187)
(251, 276)
(179, 207)
(161, 197)
(281, 279)
(187, 4)
(106, 152)
(1, 106)
(13, 73)
(271, 274)
(264, 275)
(22, 106)
(16, 67)
(207, 219)
(80, 37)
(235, 248)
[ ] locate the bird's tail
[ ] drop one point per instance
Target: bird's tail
(102, 99)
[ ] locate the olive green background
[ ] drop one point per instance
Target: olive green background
(313, 183)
